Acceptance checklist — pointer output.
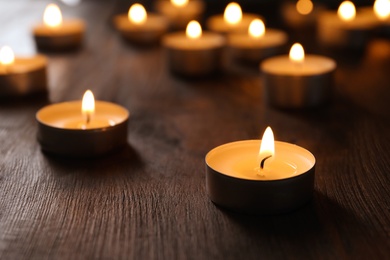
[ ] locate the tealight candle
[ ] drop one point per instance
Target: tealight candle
(233, 20)
(180, 12)
(194, 53)
(302, 13)
(276, 178)
(21, 76)
(297, 81)
(56, 34)
(381, 11)
(345, 28)
(140, 27)
(257, 44)
(82, 129)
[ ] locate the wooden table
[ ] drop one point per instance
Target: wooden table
(148, 201)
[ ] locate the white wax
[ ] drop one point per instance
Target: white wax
(68, 115)
(218, 24)
(67, 27)
(240, 160)
(24, 65)
(153, 23)
(312, 65)
(271, 38)
(207, 41)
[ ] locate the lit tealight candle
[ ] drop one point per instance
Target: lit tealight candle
(84, 128)
(194, 53)
(233, 20)
(56, 33)
(180, 12)
(21, 76)
(346, 28)
(381, 11)
(257, 44)
(302, 13)
(260, 176)
(140, 27)
(297, 80)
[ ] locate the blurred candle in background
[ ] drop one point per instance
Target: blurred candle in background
(180, 12)
(233, 20)
(300, 14)
(346, 28)
(297, 80)
(21, 76)
(194, 53)
(58, 34)
(257, 44)
(139, 27)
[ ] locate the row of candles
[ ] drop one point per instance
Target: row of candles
(253, 176)
(193, 53)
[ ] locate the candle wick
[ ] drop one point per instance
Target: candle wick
(88, 118)
(263, 161)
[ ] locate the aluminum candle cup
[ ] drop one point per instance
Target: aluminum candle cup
(288, 84)
(62, 129)
(194, 57)
(24, 76)
(233, 182)
(245, 48)
(180, 16)
(149, 32)
(66, 36)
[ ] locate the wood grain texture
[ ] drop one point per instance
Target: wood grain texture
(148, 201)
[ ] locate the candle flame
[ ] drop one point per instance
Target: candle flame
(52, 16)
(137, 14)
(267, 147)
(233, 13)
(304, 7)
(297, 53)
(193, 30)
(6, 56)
(256, 28)
(88, 104)
(382, 9)
(346, 11)
(179, 3)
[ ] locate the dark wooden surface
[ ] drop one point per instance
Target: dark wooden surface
(148, 201)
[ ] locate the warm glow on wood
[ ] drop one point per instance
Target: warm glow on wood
(233, 13)
(193, 30)
(346, 11)
(137, 14)
(52, 16)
